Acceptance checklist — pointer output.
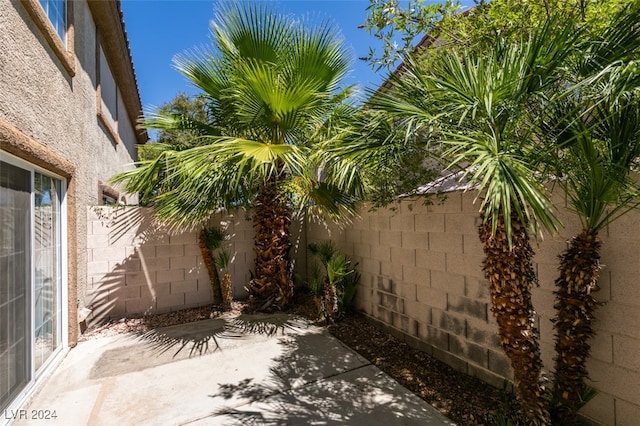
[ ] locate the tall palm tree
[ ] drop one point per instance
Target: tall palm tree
(479, 104)
(597, 132)
(271, 86)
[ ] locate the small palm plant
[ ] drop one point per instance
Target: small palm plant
(336, 288)
(210, 240)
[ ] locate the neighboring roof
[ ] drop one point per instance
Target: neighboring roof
(109, 20)
(449, 183)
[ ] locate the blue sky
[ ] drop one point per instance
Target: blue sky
(159, 29)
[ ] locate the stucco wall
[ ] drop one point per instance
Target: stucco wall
(40, 98)
(422, 279)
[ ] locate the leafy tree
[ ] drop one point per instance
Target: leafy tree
(271, 86)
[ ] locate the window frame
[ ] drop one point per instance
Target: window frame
(63, 49)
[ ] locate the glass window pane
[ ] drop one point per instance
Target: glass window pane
(56, 11)
(15, 281)
(46, 266)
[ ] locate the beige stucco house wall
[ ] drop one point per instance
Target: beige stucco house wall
(68, 107)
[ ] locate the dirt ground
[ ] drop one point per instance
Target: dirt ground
(463, 399)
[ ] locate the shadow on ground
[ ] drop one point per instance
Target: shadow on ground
(317, 381)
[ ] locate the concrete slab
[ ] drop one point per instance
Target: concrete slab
(257, 369)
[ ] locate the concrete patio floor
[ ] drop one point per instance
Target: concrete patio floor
(251, 369)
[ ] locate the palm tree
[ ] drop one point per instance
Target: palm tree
(271, 87)
(597, 132)
(477, 104)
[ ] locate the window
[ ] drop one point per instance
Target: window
(108, 95)
(54, 18)
(56, 11)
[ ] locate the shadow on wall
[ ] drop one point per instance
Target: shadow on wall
(136, 267)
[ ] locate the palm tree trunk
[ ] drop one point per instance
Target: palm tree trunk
(575, 307)
(511, 276)
(227, 292)
(207, 258)
(272, 287)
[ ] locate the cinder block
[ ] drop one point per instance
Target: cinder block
(392, 270)
(626, 351)
(100, 227)
(158, 289)
(614, 380)
(170, 250)
(170, 301)
(429, 222)
(451, 360)
(192, 250)
(445, 242)
(126, 292)
(477, 289)
(353, 235)
(383, 315)
(465, 264)
(97, 241)
(403, 256)
(432, 297)
(155, 264)
(379, 252)
(98, 268)
(471, 245)
(472, 353)
(466, 306)
(362, 250)
(545, 326)
(482, 333)
(183, 262)
(451, 204)
(170, 276)
(385, 284)
(487, 376)
(617, 318)
(184, 286)
(435, 337)
(401, 322)
(462, 223)
(415, 275)
(128, 265)
(627, 414)
(449, 322)
(499, 364)
(402, 222)
(471, 202)
(624, 287)
(417, 311)
(391, 238)
(389, 301)
(433, 260)
(543, 301)
(601, 409)
(547, 275)
(197, 298)
(380, 222)
(415, 240)
(139, 306)
(451, 283)
(183, 238)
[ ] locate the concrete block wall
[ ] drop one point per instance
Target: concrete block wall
(136, 267)
(422, 280)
